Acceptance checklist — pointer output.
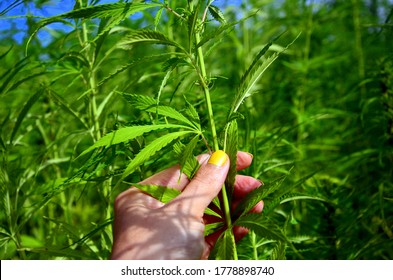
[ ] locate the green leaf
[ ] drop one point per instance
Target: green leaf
(255, 196)
(231, 147)
(191, 24)
(174, 62)
(148, 104)
(4, 54)
(147, 36)
(262, 226)
(188, 163)
(248, 82)
(253, 74)
(11, 73)
(161, 193)
(115, 11)
(128, 133)
(33, 99)
(67, 107)
(107, 10)
(217, 14)
(226, 246)
(162, 86)
(289, 197)
(147, 152)
(192, 114)
(212, 228)
(223, 28)
(211, 212)
(278, 252)
(147, 59)
(158, 17)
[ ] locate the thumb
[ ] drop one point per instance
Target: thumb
(204, 187)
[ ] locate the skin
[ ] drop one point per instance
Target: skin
(146, 229)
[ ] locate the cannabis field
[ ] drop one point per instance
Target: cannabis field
(96, 96)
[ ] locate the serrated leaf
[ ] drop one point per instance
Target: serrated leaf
(253, 74)
(262, 226)
(147, 152)
(246, 88)
(174, 62)
(278, 252)
(107, 10)
(217, 14)
(161, 193)
(289, 197)
(147, 36)
(231, 147)
(188, 163)
(148, 104)
(192, 114)
(213, 227)
(162, 86)
(115, 11)
(158, 17)
(128, 133)
(256, 195)
(226, 246)
(223, 28)
(191, 23)
(211, 212)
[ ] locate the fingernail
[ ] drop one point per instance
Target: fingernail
(251, 155)
(218, 158)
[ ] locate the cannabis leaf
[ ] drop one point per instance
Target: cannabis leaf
(188, 163)
(262, 226)
(147, 36)
(148, 104)
(116, 12)
(147, 152)
(225, 246)
(128, 133)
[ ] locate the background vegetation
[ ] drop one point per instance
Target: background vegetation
(320, 125)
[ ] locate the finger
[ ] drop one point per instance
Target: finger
(170, 177)
(203, 187)
(244, 185)
(243, 160)
(134, 198)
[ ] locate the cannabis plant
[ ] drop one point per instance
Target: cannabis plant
(200, 25)
(182, 113)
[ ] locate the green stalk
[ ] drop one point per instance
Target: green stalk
(92, 82)
(206, 91)
(202, 77)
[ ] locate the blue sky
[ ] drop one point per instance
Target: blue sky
(10, 21)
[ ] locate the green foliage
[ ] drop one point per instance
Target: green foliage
(117, 98)
(161, 193)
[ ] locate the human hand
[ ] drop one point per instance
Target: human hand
(145, 228)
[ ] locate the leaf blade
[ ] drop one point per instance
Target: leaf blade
(127, 133)
(148, 104)
(161, 193)
(148, 151)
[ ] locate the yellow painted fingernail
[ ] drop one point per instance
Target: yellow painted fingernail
(218, 158)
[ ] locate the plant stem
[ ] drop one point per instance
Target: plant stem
(206, 91)
(202, 76)
(92, 81)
